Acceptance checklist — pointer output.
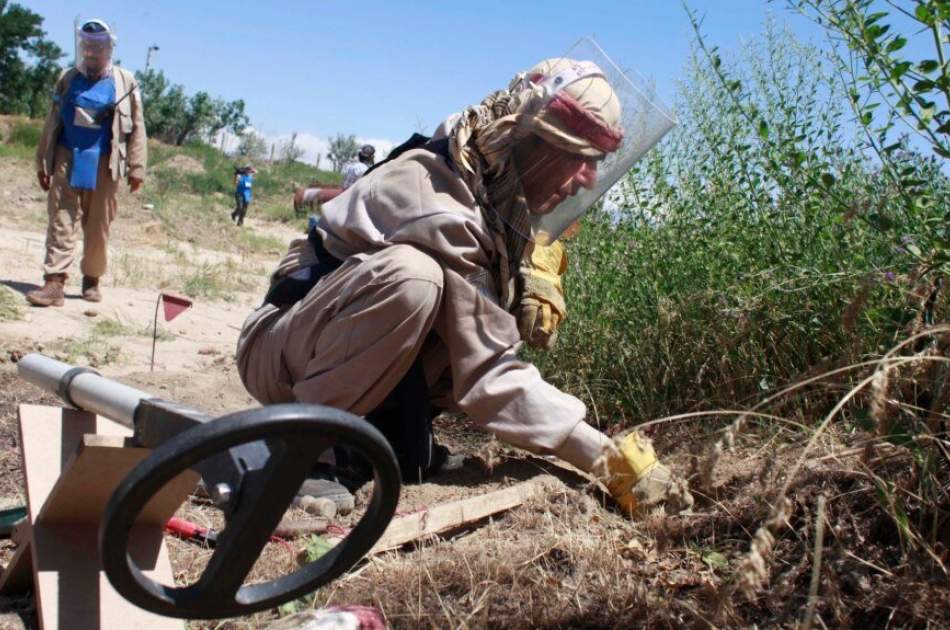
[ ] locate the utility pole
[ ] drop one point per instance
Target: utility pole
(148, 55)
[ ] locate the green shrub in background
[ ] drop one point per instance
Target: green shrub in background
(21, 139)
(749, 247)
(26, 134)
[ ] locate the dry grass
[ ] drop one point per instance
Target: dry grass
(11, 304)
(774, 494)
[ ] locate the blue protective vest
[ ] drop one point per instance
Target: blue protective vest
(244, 185)
(87, 136)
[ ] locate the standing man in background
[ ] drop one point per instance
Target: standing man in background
(94, 135)
(243, 183)
(355, 169)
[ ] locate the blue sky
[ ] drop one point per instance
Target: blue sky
(382, 70)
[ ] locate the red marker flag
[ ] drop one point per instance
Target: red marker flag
(174, 305)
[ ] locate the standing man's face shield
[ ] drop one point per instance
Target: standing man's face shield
(95, 42)
(593, 123)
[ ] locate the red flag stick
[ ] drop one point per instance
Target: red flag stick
(174, 305)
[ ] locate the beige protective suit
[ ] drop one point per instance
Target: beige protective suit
(93, 210)
(416, 279)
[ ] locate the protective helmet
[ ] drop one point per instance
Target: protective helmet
(93, 36)
(552, 144)
(97, 28)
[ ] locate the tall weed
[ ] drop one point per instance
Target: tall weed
(726, 267)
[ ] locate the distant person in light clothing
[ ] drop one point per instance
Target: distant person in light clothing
(353, 170)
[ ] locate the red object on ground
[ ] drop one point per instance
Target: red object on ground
(187, 530)
(358, 617)
(174, 305)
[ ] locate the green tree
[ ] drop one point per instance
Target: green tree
(228, 116)
(893, 92)
(28, 62)
(174, 117)
(290, 151)
(252, 146)
(342, 150)
(198, 116)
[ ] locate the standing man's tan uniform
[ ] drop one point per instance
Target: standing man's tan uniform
(93, 138)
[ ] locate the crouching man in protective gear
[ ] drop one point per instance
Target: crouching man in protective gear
(417, 286)
(93, 137)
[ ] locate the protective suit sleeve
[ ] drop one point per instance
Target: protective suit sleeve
(51, 126)
(499, 391)
(137, 142)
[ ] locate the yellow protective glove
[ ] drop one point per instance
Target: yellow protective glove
(542, 307)
(637, 480)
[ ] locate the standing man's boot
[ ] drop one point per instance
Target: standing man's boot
(90, 289)
(51, 294)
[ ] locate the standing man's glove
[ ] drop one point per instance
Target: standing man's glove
(637, 479)
(542, 306)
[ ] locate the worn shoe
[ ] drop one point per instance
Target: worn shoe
(90, 289)
(51, 294)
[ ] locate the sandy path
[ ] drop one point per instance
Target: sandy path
(197, 339)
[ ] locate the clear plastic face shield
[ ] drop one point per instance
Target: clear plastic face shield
(95, 41)
(592, 123)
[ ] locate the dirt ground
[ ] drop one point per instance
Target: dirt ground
(566, 559)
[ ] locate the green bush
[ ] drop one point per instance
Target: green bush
(727, 265)
(25, 134)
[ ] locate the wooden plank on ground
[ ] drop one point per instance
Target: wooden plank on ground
(455, 514)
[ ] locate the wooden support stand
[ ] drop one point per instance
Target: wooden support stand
(72, 462)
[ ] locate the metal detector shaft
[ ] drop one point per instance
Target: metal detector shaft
(83, 388)
(152, 420)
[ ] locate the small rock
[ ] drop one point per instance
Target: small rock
(148, 206)
(15, 355)
(91, 312)
(317, 506)
(207, 350)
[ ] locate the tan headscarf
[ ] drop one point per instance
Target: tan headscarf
(581, 118)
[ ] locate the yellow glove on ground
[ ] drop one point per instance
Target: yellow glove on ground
(637, 479)
(542, 306)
